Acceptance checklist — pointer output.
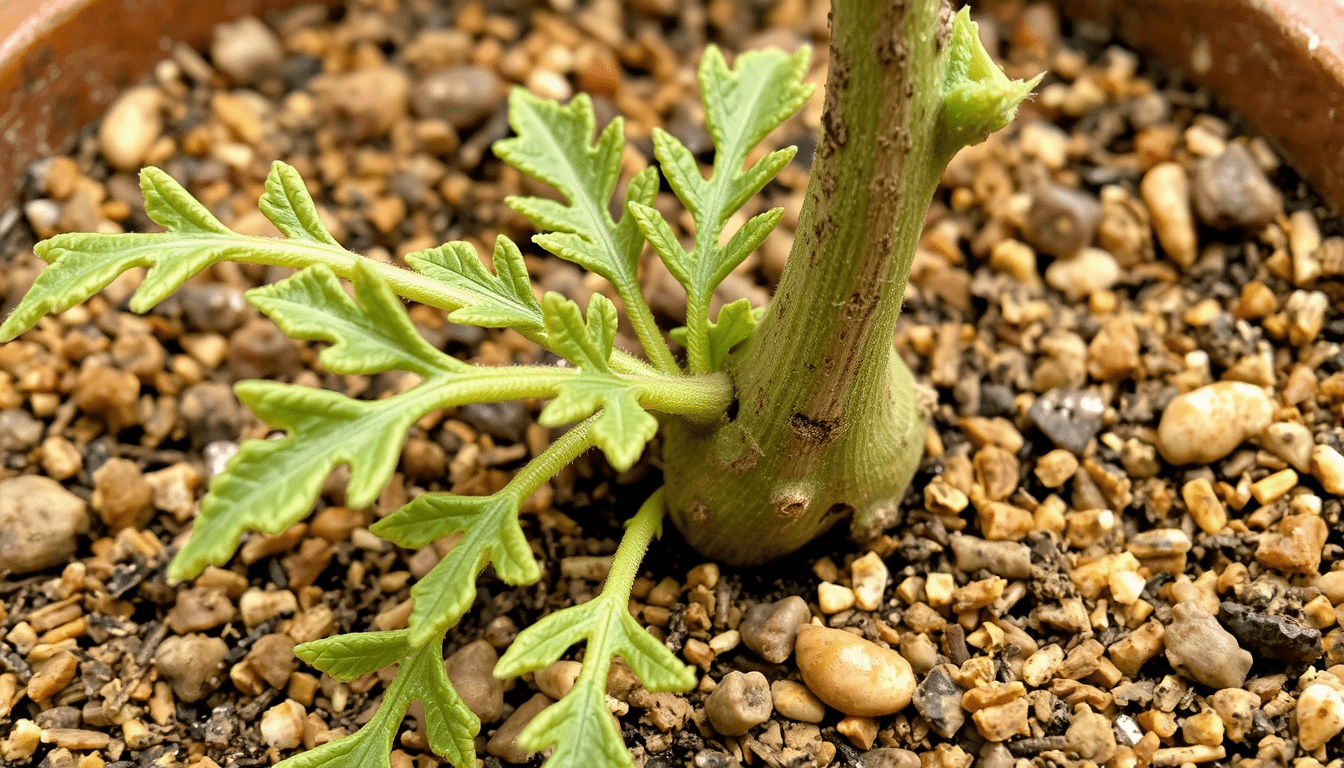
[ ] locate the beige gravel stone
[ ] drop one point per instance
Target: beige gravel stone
(1166, 191)
(1208, 423)
(1002, 722)
(282, 725)
(1236, 709)
(853, 675)
(868, 577)
(1206, 509)
(1294, 544)
(1327, 466)
(740, 702)
(794, 701)
(834, 598)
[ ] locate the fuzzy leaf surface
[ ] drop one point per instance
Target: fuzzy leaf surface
(502, 300)
(420, 677)
(291, 209)
(372, 336)
(737, 320)
(555, 145)
(742, 105)
(490, 533)
(623, 427)
(81, 264)
(579, 726)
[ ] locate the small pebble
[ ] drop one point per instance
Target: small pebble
(1320, 715)
(504, 743)
(938, 700)
(1088, 271)
(247, 51)
(1209, 423)
(770, 629)
(1294, 544)
(19, 431)
(853, 675)
(52, 675)
(121, 495)
(1090, 735)
(365, 103)
(891, 757)
(1199, 648)
(868, 577)
(834, 598)
(198, 609)
(796, 702)
(1327, 466)
(1271, 637)
(131, 126)
(1061, 220)
(471, 671)
(1206, 509)
(461, 96)
(740, 702)
(282, 725)
(1070, 418)
(1008, 559)
(191, 664)
(1166, 192)
(1236, 708)
(1231, 190)
(40, 523)
(558, 679)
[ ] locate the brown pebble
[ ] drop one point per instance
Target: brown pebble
(52, 676)
(853, 675)
(121, 495)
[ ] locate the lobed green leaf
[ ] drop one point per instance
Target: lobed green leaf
(291, 209)
(490, 533)
(737, 320)
(421, 676)
(502, 300)
(623, 427)
(372, 336)
(742, 105)
(978, 97)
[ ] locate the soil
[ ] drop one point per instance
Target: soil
(1168, 589)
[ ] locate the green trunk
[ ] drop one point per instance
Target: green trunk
(827, 423)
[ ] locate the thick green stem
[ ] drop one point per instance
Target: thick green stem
(827, 423)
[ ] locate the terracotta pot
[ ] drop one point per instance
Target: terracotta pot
(63, 61)
(1278, 62)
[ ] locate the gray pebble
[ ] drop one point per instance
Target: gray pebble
(211, 412)
(19, 431)
(247, 51)
(770, 629)
(505, 421)
(740, 702)
(1231, 191)
(1070, 418)
(938, 699)
(1272, 637)
(213, 307)
(40, 522)
(471, 671)
(260, 350)
(1008, 559)
(1199, 648)
(191, 664)
(1061, 220)
(461, 96)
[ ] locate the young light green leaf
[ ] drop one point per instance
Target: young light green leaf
(623, 427)
(172, 207)
(421, 676)
(490, 533)
(742, 105)
(502, 300)
(978, 98)
(350, 656)
(736, 322)
(290, 208)
(372, 336)
(579, 726)
(554, 145)
(271, 484)
(82, 264)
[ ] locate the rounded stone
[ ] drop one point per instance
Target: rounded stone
(851, 674)
(40, 522)
(740, 702)
(1209, 423)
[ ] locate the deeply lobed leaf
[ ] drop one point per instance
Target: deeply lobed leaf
(742, 105)
(421, 676)
(502, 300)
(623, 427)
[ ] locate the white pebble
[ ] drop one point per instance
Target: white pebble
(1092, 270)
(132, 125)
(1209, 423)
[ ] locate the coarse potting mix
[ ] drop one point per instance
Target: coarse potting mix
(1071, 584)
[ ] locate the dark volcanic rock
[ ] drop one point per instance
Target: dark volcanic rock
(1271, 637)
